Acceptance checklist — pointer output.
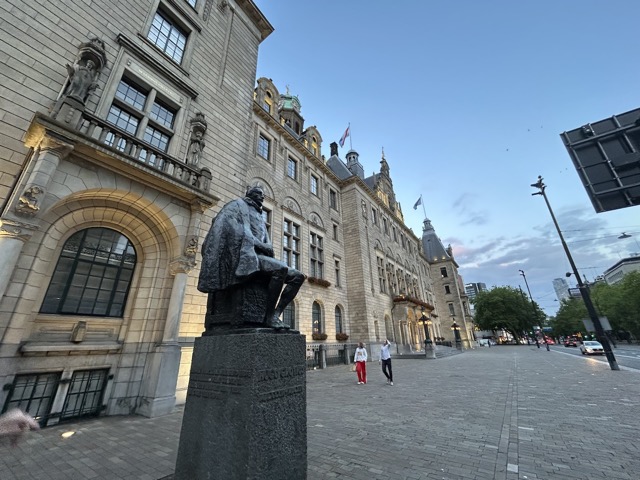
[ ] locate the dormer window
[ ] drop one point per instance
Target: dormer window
(267, 103)
(314, 145)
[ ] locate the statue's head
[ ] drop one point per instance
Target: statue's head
(90, 64)
(256, 194)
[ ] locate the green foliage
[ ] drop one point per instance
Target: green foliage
(620, 303)
(506, 308)
(568, 320)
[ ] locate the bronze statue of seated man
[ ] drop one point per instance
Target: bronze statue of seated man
(237, 254)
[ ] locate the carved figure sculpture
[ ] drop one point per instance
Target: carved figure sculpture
(81, 80)
(237, 251)
(196, 148)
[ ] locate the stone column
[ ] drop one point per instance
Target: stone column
(161, 374)
(14, 233)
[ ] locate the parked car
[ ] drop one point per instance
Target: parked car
(571, 342)
(589, 347)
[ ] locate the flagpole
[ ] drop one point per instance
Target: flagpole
(423, 209)
(350, 144)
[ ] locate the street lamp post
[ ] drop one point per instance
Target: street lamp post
(584, 291)
(456, 333)
(428, 345)
(533, 305)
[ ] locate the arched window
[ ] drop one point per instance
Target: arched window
(316, 318)
(289, 315)
(339, 325)
(93, 275)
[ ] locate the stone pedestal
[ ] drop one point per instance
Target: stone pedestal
(245, 415)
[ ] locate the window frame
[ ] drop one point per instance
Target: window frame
(316, 255)
(290, 237)
(316, 318)
(176, 25)
(292, 162)
(58, 290)
(259, 149)
(314, 185)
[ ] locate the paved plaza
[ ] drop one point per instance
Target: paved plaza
(507, 412)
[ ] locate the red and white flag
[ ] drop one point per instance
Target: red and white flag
(344, 137)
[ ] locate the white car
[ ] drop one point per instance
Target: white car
(591, 348)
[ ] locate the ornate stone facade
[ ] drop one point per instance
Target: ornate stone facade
(109, 185)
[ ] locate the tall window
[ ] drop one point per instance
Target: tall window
(266, 216)
(314, 146)
(131, 104)
(93, 275)
(264, 147)
(291, 244)
(395, 234)
(292, 168)
(316, 256)
(335, 232)
(314, 185)
(333, 199)
(289, 315)
(316, 318)
(451, 310)
(443, 272)
(447, 289)
(381, 275)
(337, 267)
(391, 278)
(386, 226)
(168, 37)
(339, 325)
(374, 215)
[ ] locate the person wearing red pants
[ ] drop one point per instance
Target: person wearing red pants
(360, 359)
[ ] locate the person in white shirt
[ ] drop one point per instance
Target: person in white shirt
(385, 359)
(360, 359)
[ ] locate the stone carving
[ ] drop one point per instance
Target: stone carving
(192, 247)
(81, 80)
(196, 145)
(244, 280)
(28, 201)
(90, 60)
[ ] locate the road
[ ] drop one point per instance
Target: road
(626, 355)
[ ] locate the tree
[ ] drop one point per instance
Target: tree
(568, 320)
(506, 308)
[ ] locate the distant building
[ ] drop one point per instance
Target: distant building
(561, 286)
(473, 289)
(615, 273)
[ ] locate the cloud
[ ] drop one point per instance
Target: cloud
(468, 215)
(496, 261)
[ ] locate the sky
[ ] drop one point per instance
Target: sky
(468, 98)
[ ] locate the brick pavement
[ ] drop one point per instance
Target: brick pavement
(501, 413)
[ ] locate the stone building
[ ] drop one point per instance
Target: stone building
(122, 126)
(367, 275)
(450, 294)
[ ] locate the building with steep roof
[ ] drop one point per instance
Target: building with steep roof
(450, 295)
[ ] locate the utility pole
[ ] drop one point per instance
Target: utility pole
(584, 290)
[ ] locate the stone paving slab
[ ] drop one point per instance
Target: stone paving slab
(505, 413)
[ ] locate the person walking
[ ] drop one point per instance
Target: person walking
(385, 360)
(360, 359)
